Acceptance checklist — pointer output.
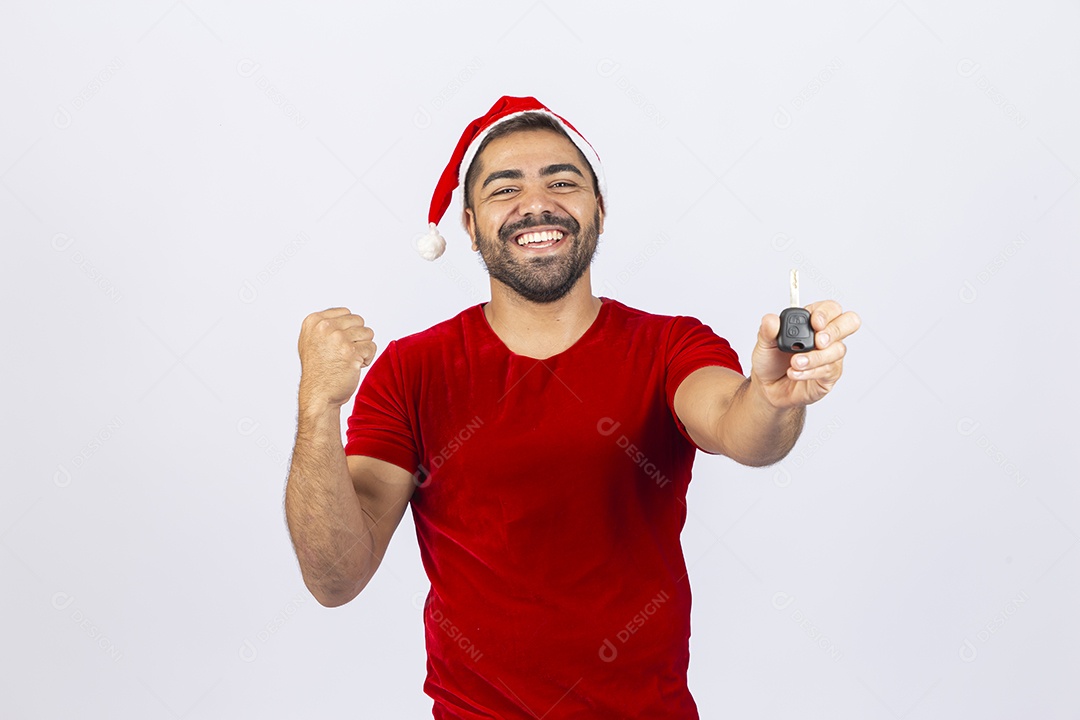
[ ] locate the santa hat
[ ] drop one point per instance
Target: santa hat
(431, 244)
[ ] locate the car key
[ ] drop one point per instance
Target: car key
(795, 335)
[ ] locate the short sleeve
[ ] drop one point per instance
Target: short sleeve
(381, 425)
(691, 346)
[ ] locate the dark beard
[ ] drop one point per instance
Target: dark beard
(542, 279)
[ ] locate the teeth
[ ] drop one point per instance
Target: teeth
(537, 237)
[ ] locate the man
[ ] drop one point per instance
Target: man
(544, 441)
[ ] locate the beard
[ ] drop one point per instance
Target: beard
(545, 278)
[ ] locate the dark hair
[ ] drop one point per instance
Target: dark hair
(525, 121)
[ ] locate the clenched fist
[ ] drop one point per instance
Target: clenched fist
(334, 346)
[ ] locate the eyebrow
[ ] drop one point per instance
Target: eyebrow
(561, 167)
(517, 174)
(502, 174)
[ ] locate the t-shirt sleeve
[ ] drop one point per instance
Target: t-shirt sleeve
(381, 425)
(693, 345)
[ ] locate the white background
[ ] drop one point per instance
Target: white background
(181, 184)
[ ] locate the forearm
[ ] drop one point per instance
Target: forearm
(754, 432)
(330, 532)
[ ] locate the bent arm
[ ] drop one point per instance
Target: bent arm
(729, 414)
(341, 512)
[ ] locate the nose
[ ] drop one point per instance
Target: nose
(535, 201)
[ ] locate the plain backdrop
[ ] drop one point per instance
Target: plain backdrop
(181, 183)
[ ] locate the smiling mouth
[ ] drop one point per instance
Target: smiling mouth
(542, 239)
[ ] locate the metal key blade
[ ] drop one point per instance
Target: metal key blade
(796, 334)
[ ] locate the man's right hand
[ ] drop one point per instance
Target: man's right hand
(334, 346)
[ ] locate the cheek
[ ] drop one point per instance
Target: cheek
(497, 222)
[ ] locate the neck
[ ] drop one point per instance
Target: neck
(541, 330)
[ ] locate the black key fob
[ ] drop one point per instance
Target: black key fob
(796, 335)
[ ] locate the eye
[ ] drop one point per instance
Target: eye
(563, 183)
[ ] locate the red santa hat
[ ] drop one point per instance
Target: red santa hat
(431, 244)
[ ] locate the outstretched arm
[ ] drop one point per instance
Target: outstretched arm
(756, 420)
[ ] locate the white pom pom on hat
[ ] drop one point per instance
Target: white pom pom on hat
(431, 244)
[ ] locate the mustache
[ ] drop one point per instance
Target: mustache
(568, 224)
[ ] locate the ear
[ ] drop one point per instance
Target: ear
(600, 210)
(468, 221)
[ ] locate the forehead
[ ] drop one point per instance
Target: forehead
(529, 149)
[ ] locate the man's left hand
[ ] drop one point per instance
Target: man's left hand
(795, 380)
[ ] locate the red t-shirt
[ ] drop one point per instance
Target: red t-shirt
(549, 502)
